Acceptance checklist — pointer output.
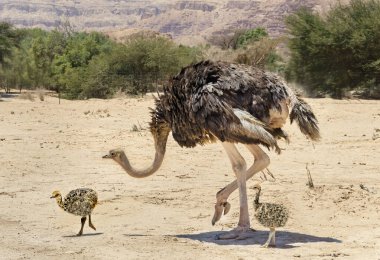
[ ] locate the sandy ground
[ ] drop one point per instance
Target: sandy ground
(46, 146)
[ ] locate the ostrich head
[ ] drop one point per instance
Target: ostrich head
(58, 198)
(160, 131)
(55, 194)
(114, 154)
(257, 187)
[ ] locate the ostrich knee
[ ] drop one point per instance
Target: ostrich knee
(263, 160)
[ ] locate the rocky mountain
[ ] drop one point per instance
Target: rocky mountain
(189, 22)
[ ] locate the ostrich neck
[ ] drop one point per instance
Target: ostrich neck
(256, 202)
(59, 202)
(160, 147)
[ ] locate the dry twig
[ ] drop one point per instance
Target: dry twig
(310, 180)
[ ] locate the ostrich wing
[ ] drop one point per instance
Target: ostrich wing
(251, 127)
(202, 99)
(230, 124)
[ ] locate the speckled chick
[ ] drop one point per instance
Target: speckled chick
(79, 202)
(269, 215)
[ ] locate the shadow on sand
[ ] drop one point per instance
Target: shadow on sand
(136, 235)
(284, 239)
(9, 95)
(86, 235)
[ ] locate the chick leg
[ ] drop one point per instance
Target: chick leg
(90, 223)
(270, 237)
(273, 242)
(82, 220)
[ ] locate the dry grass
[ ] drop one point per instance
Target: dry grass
(26, 95)
(215, 54)
(41, 94)
(119, 94)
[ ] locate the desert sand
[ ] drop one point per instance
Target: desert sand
(46, 146)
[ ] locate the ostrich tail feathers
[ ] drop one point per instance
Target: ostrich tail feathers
(301, 112)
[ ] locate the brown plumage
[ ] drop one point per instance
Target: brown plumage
(207, 101)
(79, 202)
(269, 215)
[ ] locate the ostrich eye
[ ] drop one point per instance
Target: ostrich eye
(112, 154)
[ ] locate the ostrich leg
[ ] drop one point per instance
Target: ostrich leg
(90, 223)
(239, 167)
(260, 163)
(271, 238)
(82, 220)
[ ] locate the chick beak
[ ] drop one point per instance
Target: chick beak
(52, 197)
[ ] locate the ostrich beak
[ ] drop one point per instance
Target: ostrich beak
(106, 156)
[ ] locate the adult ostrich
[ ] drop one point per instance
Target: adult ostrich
(232, 103)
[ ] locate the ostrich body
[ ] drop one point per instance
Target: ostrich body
(79, 202)
(269, 215)
(211, 101)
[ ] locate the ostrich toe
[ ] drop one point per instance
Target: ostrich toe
(92, 226)
(239, 233)
(220, 209)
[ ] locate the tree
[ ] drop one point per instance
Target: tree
(74, 52)
(338, 52)
(261, 53)
(41, 63)
(251, 36)
(84, 65)
(106, 74)
(227, 40)
(9, 38)
(15, 74)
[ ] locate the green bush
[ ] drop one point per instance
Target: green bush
(338, 52)
(89, 65)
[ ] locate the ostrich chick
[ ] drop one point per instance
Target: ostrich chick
(269, 215)
(79, 202)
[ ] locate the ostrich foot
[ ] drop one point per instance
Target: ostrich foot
(271, 239)
(266, 245)
(221, 208)
(239, 233)
(92, 226)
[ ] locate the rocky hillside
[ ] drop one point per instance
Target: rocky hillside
(187, 21)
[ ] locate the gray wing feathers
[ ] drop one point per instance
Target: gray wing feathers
(255, 128)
